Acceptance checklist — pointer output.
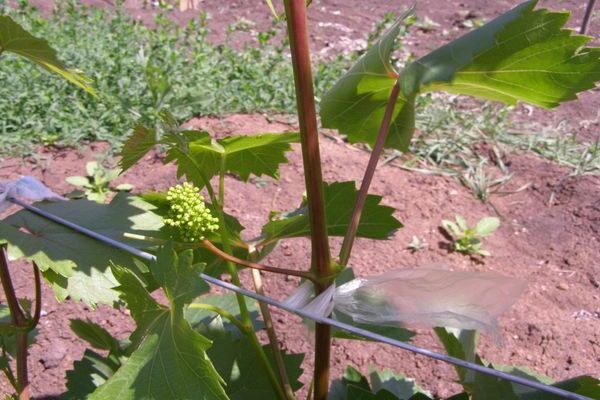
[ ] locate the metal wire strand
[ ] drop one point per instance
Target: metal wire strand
(317, 318)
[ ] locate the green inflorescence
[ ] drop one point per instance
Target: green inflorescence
(188, 214)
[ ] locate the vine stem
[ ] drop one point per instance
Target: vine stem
(208, 245)
(384, 129)
(270, 328)
(247, 321)
(255, 266)
(19, 321)
(296, 19)
(587, 17)
(37, 310)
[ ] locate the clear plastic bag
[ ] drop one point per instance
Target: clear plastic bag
(26, 187)
(421, 297)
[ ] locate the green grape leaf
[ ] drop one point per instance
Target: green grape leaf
(460, 344)
(199, 316)
(179, 276)
(583, 385)
(355, 105)
(235, 359)
(15, 39)
(74, 264)
(354, 377)
(385, 385)
(522, 55)
(460, 396)
(397, 384)
(377, 221)
(169, 359)
(487, 387)
(89, 373)
(95, 335)
(233, 355)
(199, 156)
(141, 141)
(357, 393)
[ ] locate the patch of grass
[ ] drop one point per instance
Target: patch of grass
(455, 139)
(139, 71)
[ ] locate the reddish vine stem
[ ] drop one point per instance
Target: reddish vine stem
(587, 17)
(384, 129)
(252, 265)
(37, 310)
(20, 322)
(296, 19)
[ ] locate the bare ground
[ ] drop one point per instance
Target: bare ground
(554, 328)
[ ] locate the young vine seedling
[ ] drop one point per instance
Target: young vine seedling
(468, 240)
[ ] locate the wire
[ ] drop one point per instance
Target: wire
(317, 318)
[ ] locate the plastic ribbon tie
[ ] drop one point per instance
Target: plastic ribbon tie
(26, 187)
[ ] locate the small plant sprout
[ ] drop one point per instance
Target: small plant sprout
(96, 183)
(417, 244)
(468, 240)
(484, 185)
(188, 215)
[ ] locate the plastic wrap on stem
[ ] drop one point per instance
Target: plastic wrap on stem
(420, 298)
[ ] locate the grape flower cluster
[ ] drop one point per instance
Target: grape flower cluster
(188, 214)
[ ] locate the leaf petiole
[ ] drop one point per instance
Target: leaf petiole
(246, 320)
(225, 314)
(348, 242)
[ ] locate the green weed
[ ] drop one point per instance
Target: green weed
(467, 240)
(138, 71)
(96, 184)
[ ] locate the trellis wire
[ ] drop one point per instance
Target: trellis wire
(317, 318)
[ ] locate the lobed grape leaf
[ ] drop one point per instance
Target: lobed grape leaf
(462, 345)
(355, 105)
(235, 359)
(74, 264)
(232, 353)
(397, 384)
(377, 221)
(459, 343)
(95, 335)
(168, 359)
(15, 39)
(199, 317)
(385, 385)
(137, 145)
(523, 55)
(199, 156)
(92, 371)
(582, 385)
